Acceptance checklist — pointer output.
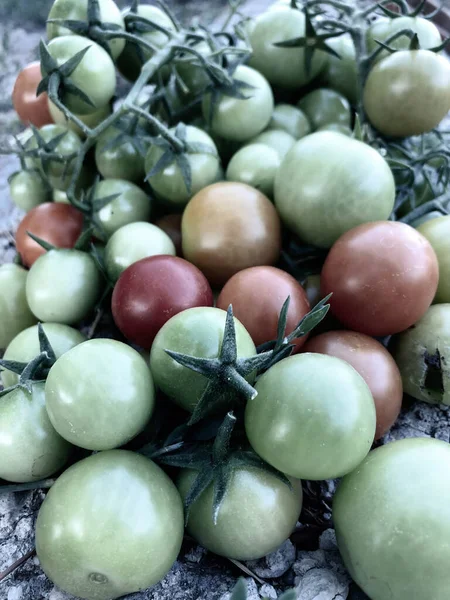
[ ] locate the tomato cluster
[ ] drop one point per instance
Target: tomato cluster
(249, 181)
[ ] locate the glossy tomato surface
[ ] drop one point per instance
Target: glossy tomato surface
(245, 530)
(56, 223)
(31, 109)
(151, 291)
(256, 165)
(392, 539)
(228, 227)
(257, 295)
(278, 140)
(437, 232)
(111, 525)
(324, 106)
(290, 119)
(15, 313)
(28, 189)
(313, 417)
(383, 277)
(341, 73)
(197, 332)
(374, 363)
(116, 158)
(100, 394)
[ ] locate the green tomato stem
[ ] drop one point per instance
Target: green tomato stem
(439, 204)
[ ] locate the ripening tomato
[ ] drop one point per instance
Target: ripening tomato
(30, 108)
(374, 363)
(228, 227)
(383, 276)
(257, 295)
(151, 291)
(56, 223)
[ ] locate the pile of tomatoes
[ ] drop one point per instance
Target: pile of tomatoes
(248, 182)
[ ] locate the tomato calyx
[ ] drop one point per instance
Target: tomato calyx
(129, 131)
(46, 151)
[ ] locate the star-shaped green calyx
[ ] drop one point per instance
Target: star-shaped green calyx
(45, 153)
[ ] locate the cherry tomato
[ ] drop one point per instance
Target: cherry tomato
(383, 276)
(437, 232)
(278, 140)
(28, 189)
(257, 295)
(255, 165)
(341, 73)
(374, 363)
(57, 223)
(290, 119)
(228, 227)
(171, 224)
(15, 313)
(324, 106)
(151, 291)
(30, 108)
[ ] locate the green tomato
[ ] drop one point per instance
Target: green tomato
(131, 205)
(393, 539)
(30, 448)
(99, 394)
(341, 74)
(324, 106)
(241, 119)
(133, 242)
(255, 165)
(437, 232)
(290, 119)
(28, 189)
(246, 529)
(63, 286)
(15, 314)
(313, 417)
(111, 525)
(434, 214)
(328, 184)
(133, 57)
(278, 140)
(337, 127)
(421, 355)
(169, 183)
(118, 160)
(408, 93)
(198, 332)
(192, 74)
(25, 346)
(283, 67)
(91, 120)
(69, 146)
(61, 184)
(95, 75)
(384, 28)
(77, 10)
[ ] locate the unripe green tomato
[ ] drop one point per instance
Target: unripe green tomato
(15, 313)
(132, 243)
(100, 381)
(393, 539)
(192, 74)
(131, 205)
(255, 165)
(324, 106)
(313, 417)
(421, 355)
(91, 120)
(95, 75)
(118, 160)
(68, 147)
(28, 189)
(241, 119)
(169, 183)
(63, 286)
(341, 74)
(437, 232)
(77, 10)
(434, 214)
(290, 119)
(283, 67)
(25, 346)
(278, 140)
(111, 525)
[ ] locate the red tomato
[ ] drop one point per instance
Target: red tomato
(55, 222)
(383, 276)
(31, 108)
(171, 224)
(257, 295)
(374, 363)
(154, 289)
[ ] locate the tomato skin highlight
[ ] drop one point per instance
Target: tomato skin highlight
(151, 291)
(383, 277)
(31, 109)
(56, 223)
(374, 363)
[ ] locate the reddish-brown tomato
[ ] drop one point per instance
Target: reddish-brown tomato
(257, 295)
(31, 108)
(171, 224)
(57, 223)
(374, 363)
(151, 291)
(383, 276)
(228, 227)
